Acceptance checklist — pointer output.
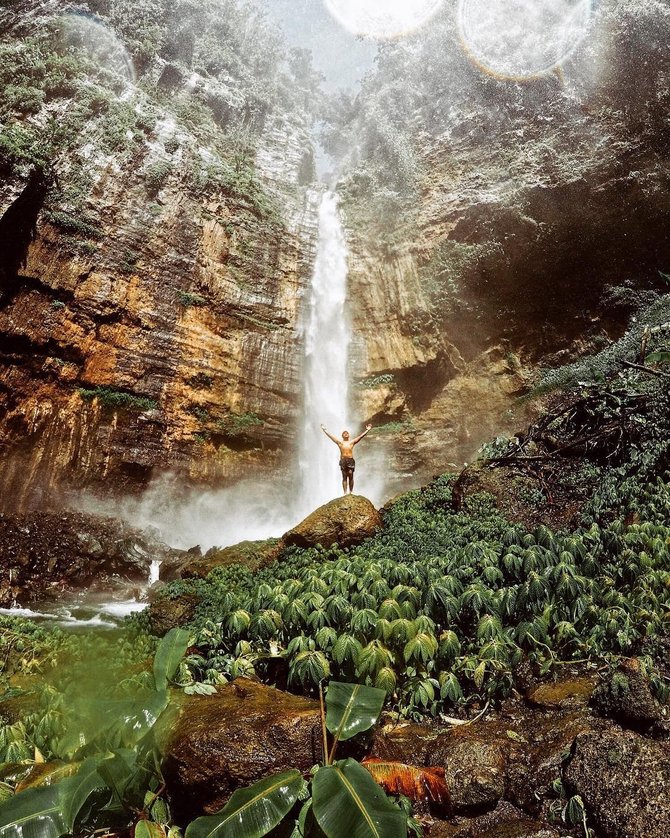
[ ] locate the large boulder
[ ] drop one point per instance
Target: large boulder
(251, 554)
(226, 741)
(345, 521)
(624, 780)
(475, 765)
(626, 697)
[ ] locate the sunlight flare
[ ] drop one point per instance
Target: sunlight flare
(383, 19)
(521, 39)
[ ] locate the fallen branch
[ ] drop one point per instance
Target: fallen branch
(648, 370)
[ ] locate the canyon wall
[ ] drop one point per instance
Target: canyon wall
(152, 324)
(534, 225)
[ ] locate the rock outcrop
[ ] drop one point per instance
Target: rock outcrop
(344, 521)
(623, 780)
(242, 734)
(253, 555)
(43, 556)
(152, 320)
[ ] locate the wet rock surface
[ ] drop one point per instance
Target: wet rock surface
(43, 555)
(575, 692)
(345, 521)
(475, 763)
(166, 613)
(232, 739)
(624, 780)
(253, 555)
(505, 821)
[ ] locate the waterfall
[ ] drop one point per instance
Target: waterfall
(154, 572)
(327, 339)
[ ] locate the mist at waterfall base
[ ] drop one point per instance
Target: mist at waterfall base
(266, 507)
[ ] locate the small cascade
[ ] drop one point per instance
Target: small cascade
(327, 341)
(154, 572)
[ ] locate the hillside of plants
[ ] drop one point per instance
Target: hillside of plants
(436, 614)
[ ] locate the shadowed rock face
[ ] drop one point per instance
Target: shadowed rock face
(345, 521)
(43, 556)
(533, 201)
(244, 733)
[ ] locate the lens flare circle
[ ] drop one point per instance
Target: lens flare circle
(383, 19)
(105, 50)
(522, 39)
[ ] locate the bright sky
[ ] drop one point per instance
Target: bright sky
(340, 56)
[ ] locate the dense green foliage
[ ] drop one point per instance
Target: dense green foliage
(440, 607)
(101, 719)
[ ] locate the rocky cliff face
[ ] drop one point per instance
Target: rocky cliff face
(535, 222)
(150, 321)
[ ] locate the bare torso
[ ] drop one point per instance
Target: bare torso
(346, 448)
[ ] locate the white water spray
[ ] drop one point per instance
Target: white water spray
(327, 340)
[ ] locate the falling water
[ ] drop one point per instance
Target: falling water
(327, 340)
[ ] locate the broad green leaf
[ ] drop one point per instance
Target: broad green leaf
(111, 724)
(347, 803)
(148, 829)
(118, 772)
(79, 789)
(169, 654)
(47, 774)
(252, 812)
(352, 709)
(35, 813)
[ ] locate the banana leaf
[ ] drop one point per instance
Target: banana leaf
(352, 709)
(252, 812)
(111, 723)
(35, 813)
(80, 787)
(347, 803)
(169, 654)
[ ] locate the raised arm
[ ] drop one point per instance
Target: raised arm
(330, 436)
(367, 430)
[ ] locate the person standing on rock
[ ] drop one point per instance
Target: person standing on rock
(347, 462)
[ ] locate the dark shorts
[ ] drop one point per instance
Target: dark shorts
(347, 466)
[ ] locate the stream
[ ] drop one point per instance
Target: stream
(87, 610)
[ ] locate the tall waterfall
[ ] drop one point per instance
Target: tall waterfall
(327, 339)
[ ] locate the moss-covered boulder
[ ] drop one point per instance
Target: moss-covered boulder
(251, 554)
(345, 521)
(571, 692)
(166, 612)
(625, 696)
(624, 780)
(226, 741)
(475, 765)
